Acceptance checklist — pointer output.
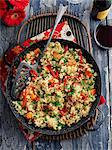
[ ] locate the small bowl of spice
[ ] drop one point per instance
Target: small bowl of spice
(103, 34)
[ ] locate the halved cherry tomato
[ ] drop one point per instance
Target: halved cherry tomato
(33, 79)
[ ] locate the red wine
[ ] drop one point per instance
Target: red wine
(104, 35)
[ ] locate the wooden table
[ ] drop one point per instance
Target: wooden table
(10, 136)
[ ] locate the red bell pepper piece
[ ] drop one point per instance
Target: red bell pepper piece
(65, 80)
(93, 91)
(88, 74)
(21, 59)
(84, 96)
(37, 98)
(54, 74)
(48, 66)
(57, 73)
(60, 81)
(34, 73)
(63, 111)
(66, 48)
(80, 54)
(24, 98)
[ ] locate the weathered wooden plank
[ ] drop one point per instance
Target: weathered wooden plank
(110, 89)
(47, 3)
(12, 138)
(110, 100)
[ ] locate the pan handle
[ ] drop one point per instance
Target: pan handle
(100, 119)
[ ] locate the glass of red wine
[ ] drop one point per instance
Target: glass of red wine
(103, 34)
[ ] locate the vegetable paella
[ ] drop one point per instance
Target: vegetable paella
(61, 91)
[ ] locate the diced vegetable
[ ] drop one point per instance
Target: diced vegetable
(56, 103)
(63, 111)
(57, 55)
(84, 97)
(80, 54)
(33, 96)
(29, 115)
(88, 74)
(33, 72)
(66, 48)
(71, 62)
(93, 91)
(37, 51)
(24, 94)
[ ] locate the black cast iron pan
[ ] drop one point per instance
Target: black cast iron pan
(66, 129)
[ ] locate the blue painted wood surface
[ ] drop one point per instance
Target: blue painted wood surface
(10, 136)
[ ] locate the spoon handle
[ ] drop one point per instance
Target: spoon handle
(60, 13)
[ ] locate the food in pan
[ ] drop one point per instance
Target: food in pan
(62, 90)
